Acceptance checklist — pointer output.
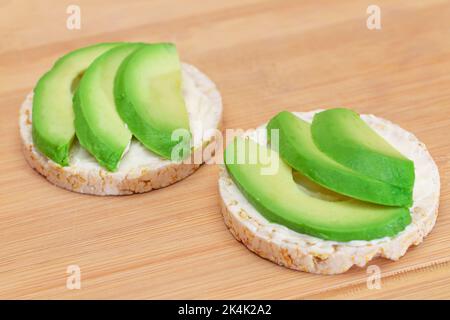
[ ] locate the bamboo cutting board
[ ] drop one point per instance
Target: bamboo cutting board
(265, 56)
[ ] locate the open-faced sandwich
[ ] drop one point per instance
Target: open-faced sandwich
(119, 118)
(322, 191)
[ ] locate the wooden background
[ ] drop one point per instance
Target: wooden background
(265, 56)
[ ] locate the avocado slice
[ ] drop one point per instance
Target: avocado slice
(344, 136)
(53, 117)
(297, 148)
(98, 126)
(278, 198)
(149, 97)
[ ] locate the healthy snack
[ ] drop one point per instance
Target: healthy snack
(149, 98)
(342, 135)
(98, 126)
(298, 149)
(53, 117)
(84, 144)
(280, 200)
(288, 218)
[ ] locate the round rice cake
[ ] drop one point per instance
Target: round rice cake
(140, 170)
(302, 252)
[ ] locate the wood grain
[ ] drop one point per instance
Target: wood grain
(265, 56)
(423, 283)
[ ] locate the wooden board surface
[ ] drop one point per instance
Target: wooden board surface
(265, 56)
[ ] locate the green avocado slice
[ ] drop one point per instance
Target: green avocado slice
(98, 126)
(344, 136)
(53, 117)
(297, 148)
(149, 98)
(278, 198)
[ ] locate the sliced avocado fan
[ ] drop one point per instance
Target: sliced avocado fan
(345, 137)
(149, 98)
(53, 116)
(98, 126)
(279, 199)
(297, 149)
